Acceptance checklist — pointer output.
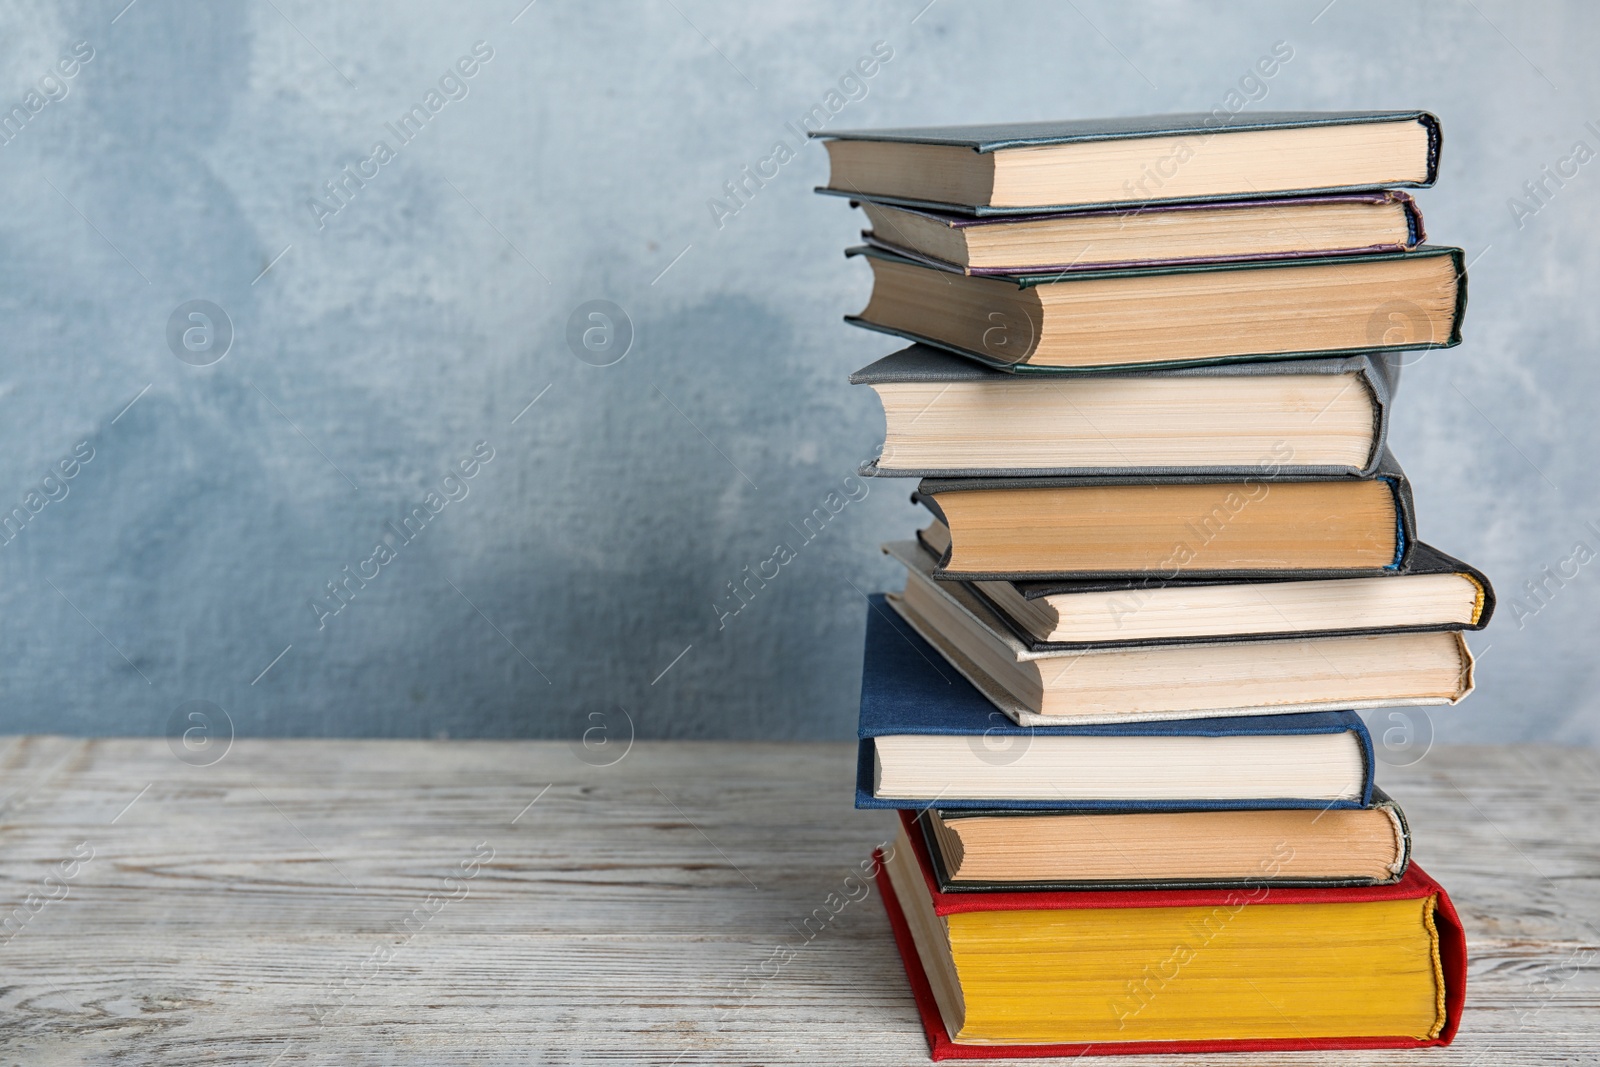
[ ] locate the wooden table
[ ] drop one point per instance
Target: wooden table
(411, 902)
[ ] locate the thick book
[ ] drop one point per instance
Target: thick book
(1202, 678)
(1434, 592)
(1021, 167)
(1200, 971)
(1149, 235)
(928, 737)
(977, 850)
(950, 417)
(1076, 321)
(1166, 526)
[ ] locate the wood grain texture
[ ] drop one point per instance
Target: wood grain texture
(274, 908)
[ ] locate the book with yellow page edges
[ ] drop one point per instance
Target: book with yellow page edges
(1246, 969)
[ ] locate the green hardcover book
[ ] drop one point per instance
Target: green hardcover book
(1019, 167)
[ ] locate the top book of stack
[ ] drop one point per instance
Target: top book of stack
(1153, 242)
(1022, 167)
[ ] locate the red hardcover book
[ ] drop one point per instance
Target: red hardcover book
(1415, 885)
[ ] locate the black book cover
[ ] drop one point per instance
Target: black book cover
(1028, 281)
(1425, 559)
(947, 884)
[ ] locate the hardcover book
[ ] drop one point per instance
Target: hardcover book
(1175, 680)
(1203, 971)
(927, 737)
(997, 850)
(1173, 316)
(952, 417)
(1149, 235)
(1138, 526)
(1023, 167)
(1436, 591)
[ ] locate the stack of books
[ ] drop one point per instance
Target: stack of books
(1168, 558)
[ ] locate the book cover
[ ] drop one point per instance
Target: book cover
(1425, 559)
(1416, 233)
(1378, 372)
(1388, 470)
(1416, 884)
(920, 825)
(1028, 281)
(993, 137)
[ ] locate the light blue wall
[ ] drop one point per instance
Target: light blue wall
(423, 315)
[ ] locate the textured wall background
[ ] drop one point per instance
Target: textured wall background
(421, 313)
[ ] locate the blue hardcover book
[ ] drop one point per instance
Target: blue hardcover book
(927, 737)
